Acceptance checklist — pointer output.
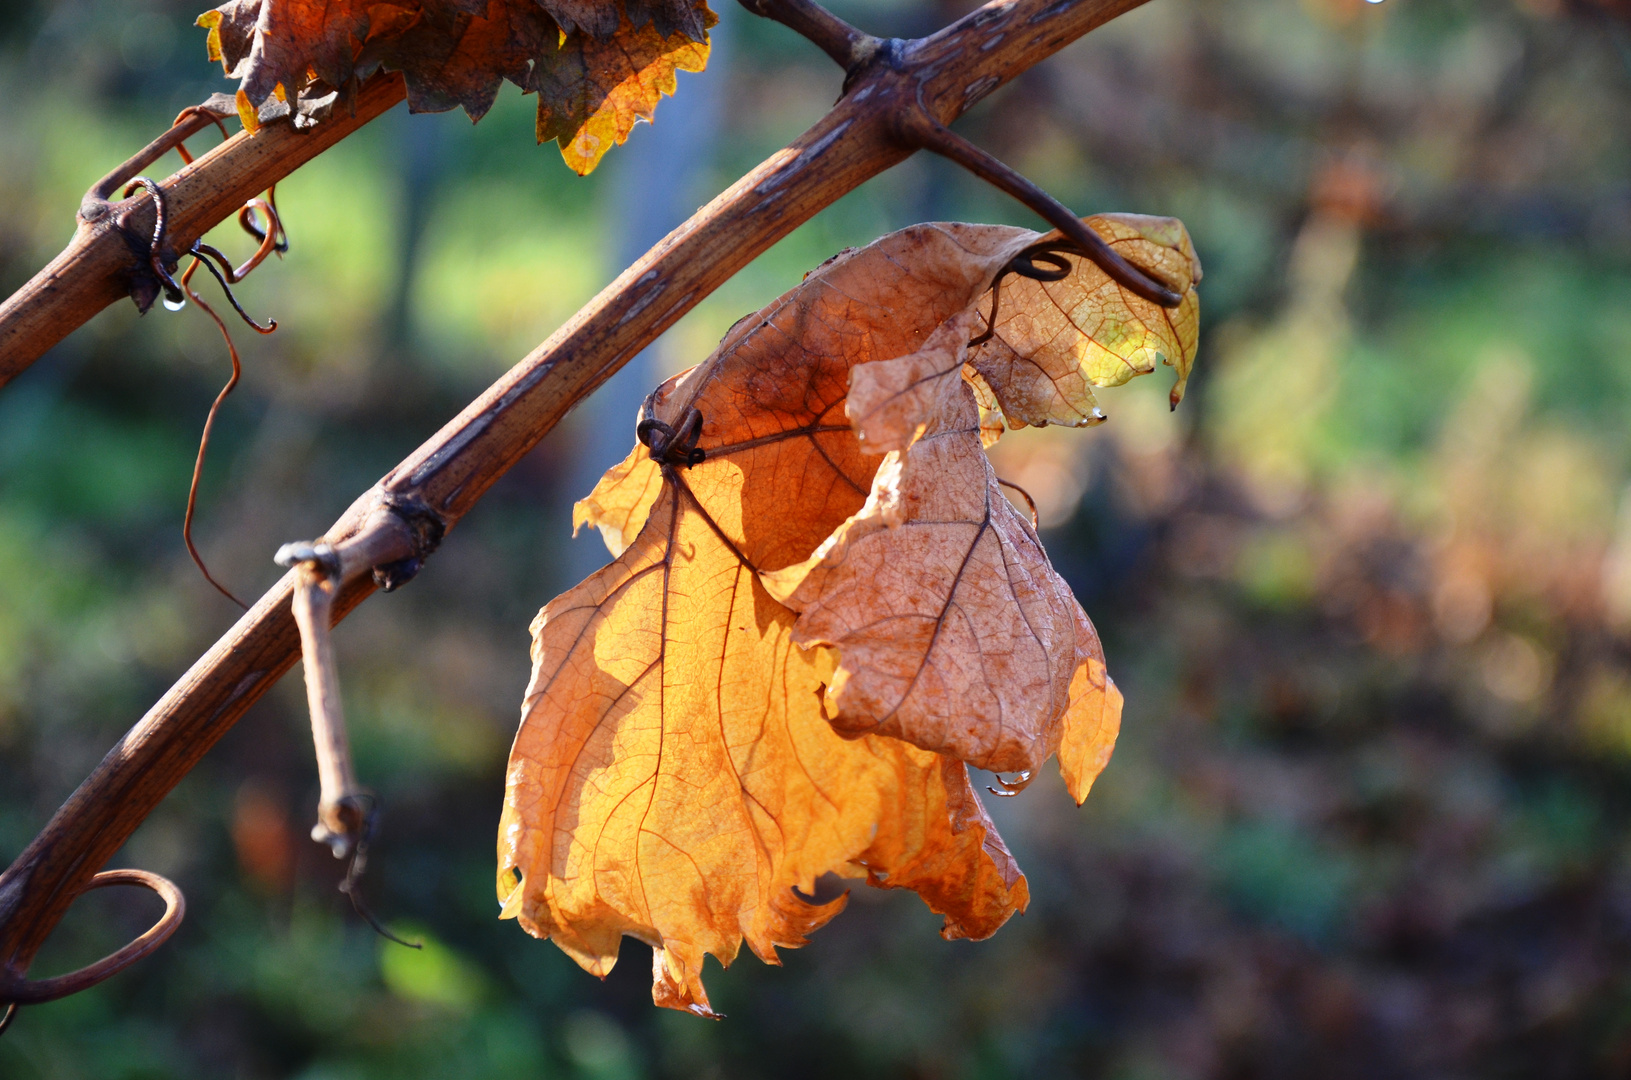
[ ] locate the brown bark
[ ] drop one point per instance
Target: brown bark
(94, 270)
(943, 74)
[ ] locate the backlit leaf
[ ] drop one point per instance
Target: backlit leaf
(622, 501)
(675, 777)
(802, 641)
(598, 66)
(594, 90)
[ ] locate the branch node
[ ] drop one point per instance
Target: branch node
(96, 203)
(426, 529)
(676, 446)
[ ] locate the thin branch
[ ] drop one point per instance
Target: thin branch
(392, 527)
(848, 46)
(101, 263)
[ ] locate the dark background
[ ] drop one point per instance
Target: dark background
(1368, 591)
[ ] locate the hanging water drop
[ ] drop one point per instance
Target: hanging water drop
(174, 305)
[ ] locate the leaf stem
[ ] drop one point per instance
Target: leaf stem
(848, 46)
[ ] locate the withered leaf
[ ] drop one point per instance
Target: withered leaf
(597, 65)
(1053, 342)
(953, 630)
(679, 771)
(675, 777)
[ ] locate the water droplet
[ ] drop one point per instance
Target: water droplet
(174, 305)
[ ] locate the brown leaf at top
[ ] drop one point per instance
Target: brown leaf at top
(675, 777)
(952, 629)
(598, 65)
(591, 93)
(457, 54)
(1055, 341)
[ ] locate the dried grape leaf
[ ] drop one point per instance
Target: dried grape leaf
(801, 642)
(598, 66)
(675, 777)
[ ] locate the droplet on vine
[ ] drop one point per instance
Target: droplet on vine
(174, 305)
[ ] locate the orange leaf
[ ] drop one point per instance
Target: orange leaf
(675, 777)
(679, 771)
(621, 502)
(1093, 719)
(597, 65)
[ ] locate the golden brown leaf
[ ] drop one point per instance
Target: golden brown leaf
(1055, 341)
(675, 778)
(679, 775)
(597, 65)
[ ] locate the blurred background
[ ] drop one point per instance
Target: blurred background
(1368, 591)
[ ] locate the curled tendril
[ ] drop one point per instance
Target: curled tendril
(204, 440)
(246, 220)
(202, 253)
(674, 446)
(1051, 252)
(155, 253)
(206, 256)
